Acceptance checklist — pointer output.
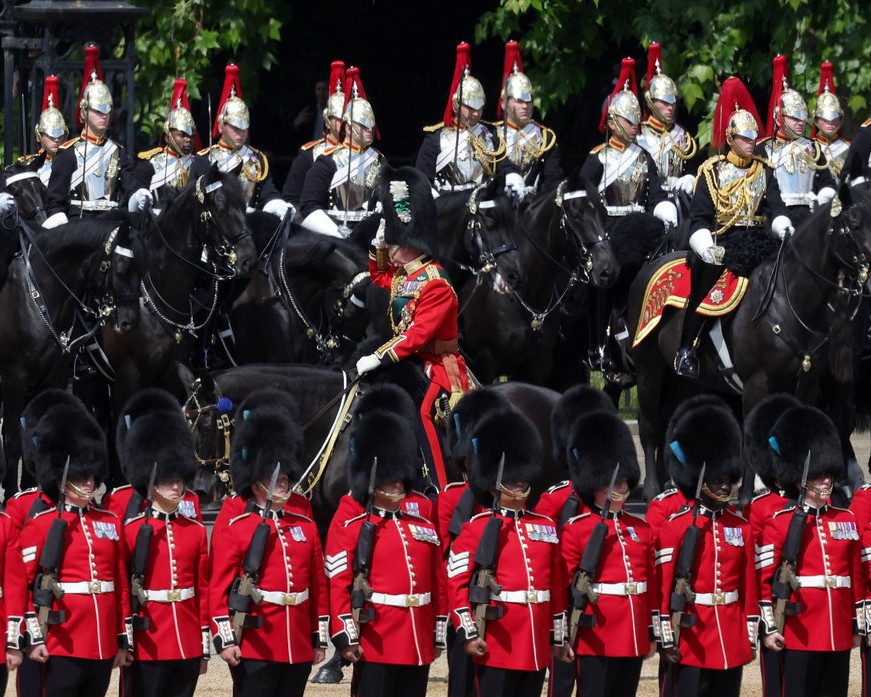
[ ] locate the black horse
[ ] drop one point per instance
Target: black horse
(30, 192)
(562, 247)
(65, 284)
(778, 338)
(200, 237)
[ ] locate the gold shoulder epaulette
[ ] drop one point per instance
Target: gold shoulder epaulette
(495, 124)
(69, 143)
(597, 148)
(311, 144)
(866, 123)
(765, 161)
(330, 150)
(148, 154)
(27, 159)
(710, 162)
(204, 151)
(435, 127)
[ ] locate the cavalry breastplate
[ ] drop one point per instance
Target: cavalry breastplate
(524, 146)
(663, 147)
(458, 160)
(624, 178)
(97, 170)
(836, 154)
(353, 184)
(740, 193)
(170, 170)
(245, 161)
(44, 171)
(794, 166)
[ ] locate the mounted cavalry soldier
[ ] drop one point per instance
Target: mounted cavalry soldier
(736, 196)
(339, 189)
(800, 166)
(233, 154)
(90, 173)
(828, 121)
(531, 162)
(671, 147)
(458, 153)
(167, 168)
(310, 152)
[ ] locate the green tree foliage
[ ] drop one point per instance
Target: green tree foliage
(703, 43)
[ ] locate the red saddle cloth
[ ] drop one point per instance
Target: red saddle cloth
(670, 286)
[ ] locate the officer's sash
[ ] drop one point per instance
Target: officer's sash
(462, 151)
(627, 159)
(240, 157)
(359, 161)
(665, 145)
(169, 174)
(97, 157)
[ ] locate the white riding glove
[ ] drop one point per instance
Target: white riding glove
(7, 203)
(702, 243)
(379, 242)
(782, 226)
(319, 221)
(666, 212)
(55, 220)
(825, 195)
(515, 187)
(279, 208)
(367, 364)
(140, 200)
(686, 183)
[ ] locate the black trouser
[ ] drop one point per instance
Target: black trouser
(703, 276)
(689, 681)
(461, 670)
(815, 673)
(389, 680)
(253, 678)
(29, 677)
(866, 669)
(603, 676)
(502, 682)
(563, 677)
(770, 664)
(76, 677)
(164, 678)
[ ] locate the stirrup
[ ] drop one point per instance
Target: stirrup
(598, 359)
(686, 363)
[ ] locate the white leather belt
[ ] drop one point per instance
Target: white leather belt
(825, 581)
(401, 600)
(522, 597)
(280, 598)
(798, 199)
(743, 222)
(630, 588)
(624, 210)
(853, 182)
(88, 587)
(350, 216)
(98, 205)
(170, 596)
(726, 598)
(443, 188)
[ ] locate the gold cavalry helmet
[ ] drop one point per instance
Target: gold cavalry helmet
(517, 85)
(180, 119)
(659, 85)
(51, 120)
(742, 123)
(358, 109)
(472, 92)
(235, 112)
(96, 96)
(625, 104)
(792, 104)
(336, 101)
(828, 107)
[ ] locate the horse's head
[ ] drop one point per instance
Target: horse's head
(489, 239)
(210, 417)
(30, 193)
(124, 256)
(222, 217)
(584, 222)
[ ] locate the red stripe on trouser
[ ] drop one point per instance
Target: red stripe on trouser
(426, 416)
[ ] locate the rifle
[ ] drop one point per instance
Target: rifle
(785, 581)
(361, 591)
(569, 510)
(46, 587)
(582, 593)
(462, 513)
(681, 591)
(139, 560)
(486, 557)
(244, 588)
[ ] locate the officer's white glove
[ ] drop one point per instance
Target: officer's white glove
(825, 195)
(686, 183)
(701, 241)
(782, 226)
(318, 221)
(515, 187)
(53, 221)
(666, 212)
(279, 208)
(140, 200)
(378, 207)
(435, 193)
(379, 242)
(7, 203)
(367, 364)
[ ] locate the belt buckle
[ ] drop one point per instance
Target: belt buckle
(532, 596)
(288, 599)
(173, 596)
(630, 588)
(719, 599)
(831, 582)
(94, 587)
(412, 600)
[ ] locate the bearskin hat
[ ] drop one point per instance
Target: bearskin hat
(383, 429)
(703, 434)
(596, 443)
(574, 402)
(267, 433)
(152, 430)
(409, 209)
(757, 430)
(38, 407)
(799, 431)
(68, 430)
(465, 417)
(510, 434)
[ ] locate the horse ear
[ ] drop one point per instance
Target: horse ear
(186, 375)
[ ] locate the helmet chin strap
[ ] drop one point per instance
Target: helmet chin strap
(617, 128)
(719, 499)
(516, 495)
(81, 494)
(390, 497)
(819, 491)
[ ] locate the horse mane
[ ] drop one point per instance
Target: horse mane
(306, 249)
(451, 202)
(634, 237)
(84, 232)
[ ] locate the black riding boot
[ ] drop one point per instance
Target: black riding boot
(703, 276)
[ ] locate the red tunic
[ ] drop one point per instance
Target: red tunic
(93, 552)
(12, 577)
(235, 505)
(721, 637)
(861, 506)
(622, 621)
(408, 584)
(117, 500)
(414, 503)
(177, 561)
(292, 564)
(445, 504)
(664, 507)
(554, 499)
(529, 564)
(830, 548)
(757, 512)
(19, 506)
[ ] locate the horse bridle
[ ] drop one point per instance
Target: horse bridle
(486, 258)
(193, 414)
(226, 250)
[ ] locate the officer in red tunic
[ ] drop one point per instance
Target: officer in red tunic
(14, 595)
(526, 619)
(614, 634)
(88, 630)
(169, 584)
(758, 455)
(815, 643)
(423, 303)
(272, 645)
(718, 622)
